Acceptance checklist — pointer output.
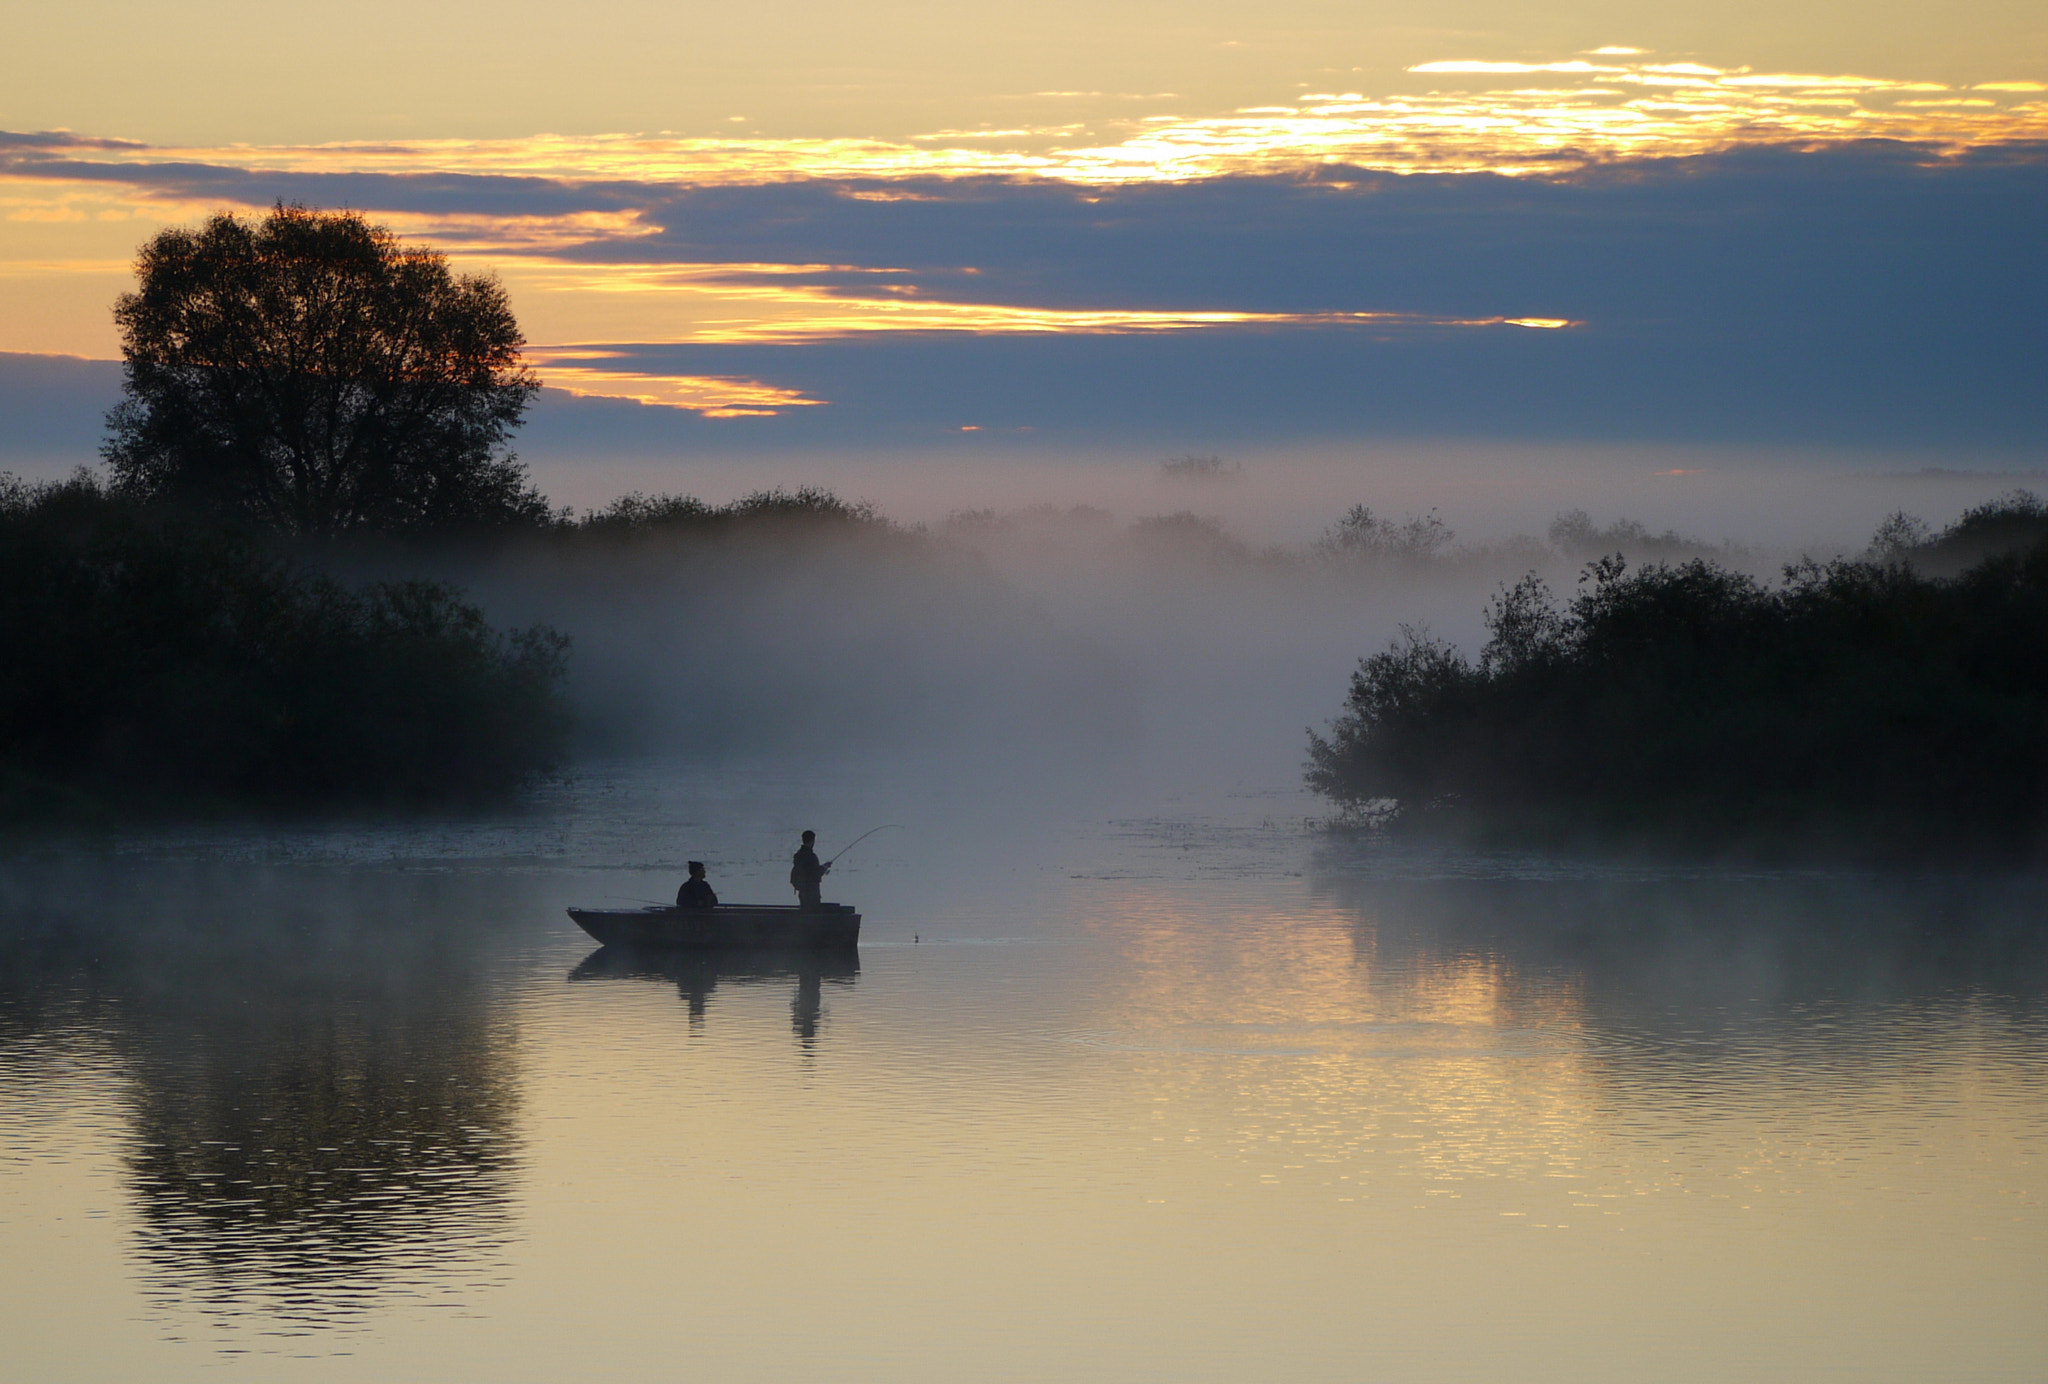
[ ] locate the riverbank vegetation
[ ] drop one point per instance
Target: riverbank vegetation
(1874, 707)
(158, 661)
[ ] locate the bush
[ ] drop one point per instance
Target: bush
(159, 659)
(1575, 535)
(639, 515)
(1364, 534)
(1857, 705)
(2013, 523)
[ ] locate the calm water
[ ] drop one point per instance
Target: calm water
(1173, 1090)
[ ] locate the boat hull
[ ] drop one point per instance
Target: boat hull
(728, 927)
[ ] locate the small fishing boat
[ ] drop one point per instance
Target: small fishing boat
(728, 926)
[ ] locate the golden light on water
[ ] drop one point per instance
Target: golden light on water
(1273, 1039)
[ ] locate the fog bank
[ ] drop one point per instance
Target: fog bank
(1178, 625)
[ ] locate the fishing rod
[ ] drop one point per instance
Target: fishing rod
(886, 826)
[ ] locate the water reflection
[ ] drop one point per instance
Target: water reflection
(1219, 1107)
(697, 974)
(1647, 948)
(1781, 1001)
(1550, 1024)
(319, 1097)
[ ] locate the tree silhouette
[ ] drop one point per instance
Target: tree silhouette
(310, 373)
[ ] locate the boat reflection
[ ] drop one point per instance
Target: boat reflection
(697, 973)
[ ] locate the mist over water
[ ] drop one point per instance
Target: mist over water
(1033, 613)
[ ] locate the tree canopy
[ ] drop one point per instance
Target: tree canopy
(312, 374)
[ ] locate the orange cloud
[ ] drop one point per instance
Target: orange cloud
(1582, 111)
(714, 396)
(67, 206)
(700, 304)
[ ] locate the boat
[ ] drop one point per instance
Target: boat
(729, 926)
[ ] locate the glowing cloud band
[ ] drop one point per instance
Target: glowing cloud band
(1526, 119)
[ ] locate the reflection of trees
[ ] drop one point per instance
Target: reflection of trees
(1672, 961)
(330, 1150)
(321, 1101)
(697, 974)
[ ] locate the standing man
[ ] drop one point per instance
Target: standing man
(806, 874)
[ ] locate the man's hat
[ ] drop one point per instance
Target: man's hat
(696, 865)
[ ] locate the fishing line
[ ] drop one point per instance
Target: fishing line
(886, 826)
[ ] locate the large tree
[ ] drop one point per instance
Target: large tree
(309, 372)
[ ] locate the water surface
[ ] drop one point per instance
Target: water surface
(1179, 1089)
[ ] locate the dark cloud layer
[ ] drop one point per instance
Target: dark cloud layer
(1830, 245)
(1866, 294)
(1209, 390)
(1253, 387)
(1860, 294)
(52, 408)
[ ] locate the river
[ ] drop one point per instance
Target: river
(1121, 1087)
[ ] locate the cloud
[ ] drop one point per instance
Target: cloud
(1497, 68)
(1331, 386)
(1579, 112)
(1685, 242)
(1791, 269)
(1863, 294)
(51, 409)
(588, 374)
(1777, 292)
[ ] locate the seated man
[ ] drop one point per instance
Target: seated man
(696, 891)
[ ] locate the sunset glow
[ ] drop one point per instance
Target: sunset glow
(603, 238)
(1553, 117)
(713, 396)
(576, 264)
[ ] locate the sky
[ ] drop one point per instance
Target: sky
(1114, 225)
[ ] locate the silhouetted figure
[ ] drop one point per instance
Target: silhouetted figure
(696, 891)
(806, 875)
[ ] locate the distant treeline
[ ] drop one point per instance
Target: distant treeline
(159, 660)
(1896, 705)
(1364, 542)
